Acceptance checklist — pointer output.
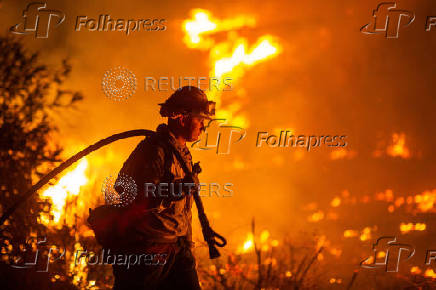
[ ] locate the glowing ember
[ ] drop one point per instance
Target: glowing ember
(350, 233)
(426, 201)
(264, 236)
(430, 273)
(369, 261)
(388, 195)
(335, 281)
(391, 208)
(248, 244)
(366, 234)
(405, 228)
(398, 148)
(316, 216)
(381, 254)
(336, 202)
(78, 269)
(415, 270)
(288, 274)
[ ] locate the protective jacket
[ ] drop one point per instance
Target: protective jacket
(154, 217)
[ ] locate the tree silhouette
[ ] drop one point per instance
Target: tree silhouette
(29, 93)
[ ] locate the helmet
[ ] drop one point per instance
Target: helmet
(188, 100)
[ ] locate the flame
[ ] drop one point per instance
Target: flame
(405, 228)
(398, 148)
(381, 254)
(67, 186)
(415, 270)
(264, 243)
(388, 195)
(203, 24)
(335, 281)
(426, 201)
(288, 274)
(228, 59)
(369, 261)
(79, 270)
(364, 235)
(248, 244)
(430, 273)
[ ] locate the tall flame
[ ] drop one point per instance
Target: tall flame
(228, 59)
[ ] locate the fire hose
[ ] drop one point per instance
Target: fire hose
(210, 236)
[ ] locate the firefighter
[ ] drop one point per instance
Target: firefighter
(160, 226)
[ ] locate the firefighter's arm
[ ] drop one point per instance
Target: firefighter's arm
(144, 165)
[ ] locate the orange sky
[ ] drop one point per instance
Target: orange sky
(328, 79)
